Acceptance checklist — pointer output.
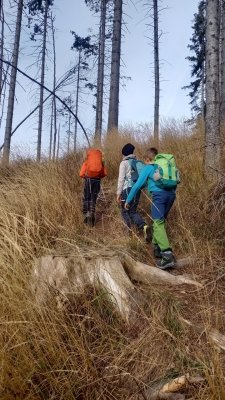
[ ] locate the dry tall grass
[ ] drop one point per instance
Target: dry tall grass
(88, 352)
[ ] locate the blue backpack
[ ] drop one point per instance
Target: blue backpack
(137, 167)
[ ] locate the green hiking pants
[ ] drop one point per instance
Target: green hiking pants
(162, 202)
(160, 237)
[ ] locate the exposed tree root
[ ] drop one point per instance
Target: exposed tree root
(146, 274)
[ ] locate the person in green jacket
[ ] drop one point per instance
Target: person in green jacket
(162, 201)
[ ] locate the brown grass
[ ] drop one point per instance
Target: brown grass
(89, 352)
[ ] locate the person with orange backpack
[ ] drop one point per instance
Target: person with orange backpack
(92, 171)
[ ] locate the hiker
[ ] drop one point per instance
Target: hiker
(128, 166)
(92, 170)
(163, 194)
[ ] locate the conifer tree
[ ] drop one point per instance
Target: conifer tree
(197, 60)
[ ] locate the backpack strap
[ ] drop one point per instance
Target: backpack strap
(169, 170)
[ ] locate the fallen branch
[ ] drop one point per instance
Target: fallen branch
(52, 93)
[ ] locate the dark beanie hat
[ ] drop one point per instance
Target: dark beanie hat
(128, 149)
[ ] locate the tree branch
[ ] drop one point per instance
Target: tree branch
(52, 93)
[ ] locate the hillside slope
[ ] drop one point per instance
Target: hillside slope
(89, 352)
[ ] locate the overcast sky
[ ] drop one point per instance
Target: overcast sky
(137, 99)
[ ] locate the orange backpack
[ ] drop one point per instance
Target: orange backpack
(94, 164)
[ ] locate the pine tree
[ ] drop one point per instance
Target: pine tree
(197, 60)
(85, 49)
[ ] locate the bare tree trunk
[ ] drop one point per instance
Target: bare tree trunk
(101, 67)
(203, 93)
(212, 145)
(51, 131)
(40, 118)
(58, 143)
(222, 65)
(113, 116)
(12, 85)
(4, 87)
(54, 89)
(156, 71)
(77, 100)
(69, 134)
(1, 47)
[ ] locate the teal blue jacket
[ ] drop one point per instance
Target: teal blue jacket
(146, 176)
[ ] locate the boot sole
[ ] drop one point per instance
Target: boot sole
(169, 265)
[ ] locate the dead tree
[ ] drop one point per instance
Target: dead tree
(212, 128)
(40, 117)
(101, 69)
(77, 98)
(1, 47)
(12, 84)
(113, 115)
(156, 70)
(51, 131)
(54, 88)
(58, 142)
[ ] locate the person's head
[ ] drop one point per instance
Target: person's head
(128, 149)
(150, 155)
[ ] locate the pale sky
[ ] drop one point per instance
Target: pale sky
(137, 99)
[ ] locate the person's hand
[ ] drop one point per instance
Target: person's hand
(127, 206)
(118, 199)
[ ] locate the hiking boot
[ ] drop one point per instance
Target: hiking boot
(92, 219)
(167, 260)
(89, 219)
(157, 251)
(147, 233)
(86, 218)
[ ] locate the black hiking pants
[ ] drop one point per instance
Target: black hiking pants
(92, 188)
(131, 216)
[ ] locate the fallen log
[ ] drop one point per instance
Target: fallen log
(66, 276)
(147, 274)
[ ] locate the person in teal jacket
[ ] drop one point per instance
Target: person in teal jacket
(162, 201)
